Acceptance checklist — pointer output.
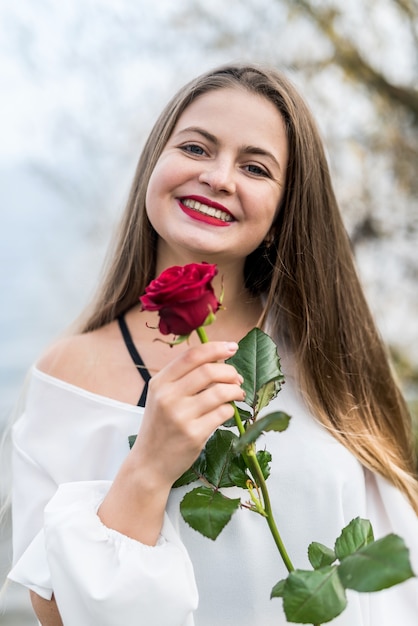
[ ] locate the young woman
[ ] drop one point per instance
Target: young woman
(233, 173)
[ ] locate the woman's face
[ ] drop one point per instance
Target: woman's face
(216, 188)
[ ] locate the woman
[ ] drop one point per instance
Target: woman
(233, 173)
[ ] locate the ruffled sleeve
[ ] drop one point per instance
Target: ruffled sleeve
(103, 577)
(100, 576)
(97, 575)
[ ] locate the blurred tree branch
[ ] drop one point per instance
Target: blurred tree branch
(348, 57)
(410, 9)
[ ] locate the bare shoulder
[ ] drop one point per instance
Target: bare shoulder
(69, 357)
(97, 361)
(79, 359)
(66, 354)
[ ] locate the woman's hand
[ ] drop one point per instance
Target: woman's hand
(187, 400)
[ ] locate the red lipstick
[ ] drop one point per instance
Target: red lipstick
(199, 215)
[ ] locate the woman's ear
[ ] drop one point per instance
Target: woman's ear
(269, 239)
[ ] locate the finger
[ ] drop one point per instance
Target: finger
(205, 376)
(214, 397)
(209, 422)
(188, 361)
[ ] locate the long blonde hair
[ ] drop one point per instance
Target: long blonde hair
(307, 276)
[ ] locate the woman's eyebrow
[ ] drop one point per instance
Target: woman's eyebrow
(261, 152)
(244, 149)
(200, 131)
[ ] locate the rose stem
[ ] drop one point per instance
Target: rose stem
(253, 465)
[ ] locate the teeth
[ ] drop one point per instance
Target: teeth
(207, 210)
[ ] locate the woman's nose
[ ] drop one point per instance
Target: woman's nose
(219, 175)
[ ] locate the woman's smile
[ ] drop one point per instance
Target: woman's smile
(205, 210)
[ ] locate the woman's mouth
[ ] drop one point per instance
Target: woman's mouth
(209, 213)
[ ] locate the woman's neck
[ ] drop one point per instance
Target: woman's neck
(238, 314)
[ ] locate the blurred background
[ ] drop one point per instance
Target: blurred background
(82, 83)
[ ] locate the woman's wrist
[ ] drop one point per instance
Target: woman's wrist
(135, 504)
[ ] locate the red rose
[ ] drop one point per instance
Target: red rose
(183, 297)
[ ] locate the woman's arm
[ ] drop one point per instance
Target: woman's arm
(128, 560)
(134, 545)
(187, 401)
(46, 610)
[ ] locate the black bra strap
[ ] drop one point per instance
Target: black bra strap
(143, 398)
(136, 358)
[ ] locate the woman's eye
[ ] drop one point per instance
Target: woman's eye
(257, 170)
(193, 148)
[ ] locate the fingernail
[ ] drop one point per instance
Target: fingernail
(231, 346)
(241, 379)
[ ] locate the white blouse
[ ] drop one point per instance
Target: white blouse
(68, 446)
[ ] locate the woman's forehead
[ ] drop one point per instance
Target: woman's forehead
(253, 117)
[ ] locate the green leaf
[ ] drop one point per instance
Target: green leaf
(179, 339)
(221, 466)
(266, 394)
(355, 535)
(376, 566)
(193, 473)
(278, 589)
(313, 597)
(189, 476)
(238, 472)
(320, 555)
(258, 362)
(131, 440)
(218, 463)
(264, 459)
(244, 415)
(277, 421)
(207, 511)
